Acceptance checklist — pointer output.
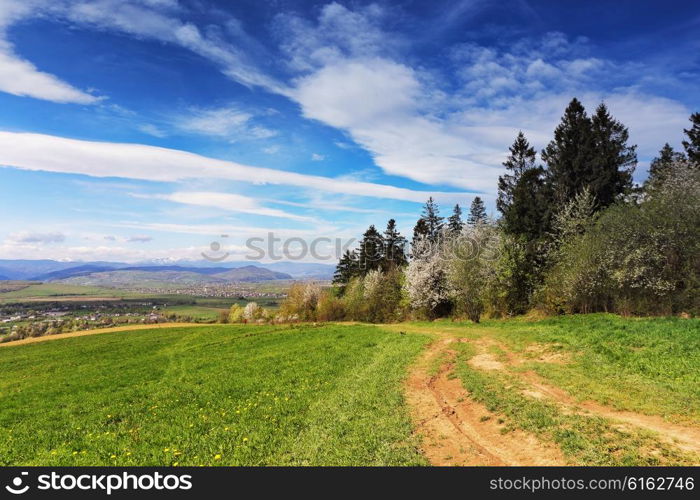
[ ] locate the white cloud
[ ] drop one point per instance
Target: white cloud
(338, 33)
(137, 161)
(139, 238)
(378, 102)
(150, 129)
(22, 78)
(317, 157)
(37, 238)
(228, 202)
(102, 253)
(417, 126)
(228, 122)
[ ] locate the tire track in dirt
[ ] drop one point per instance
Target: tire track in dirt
(683, 437)
(459, 431)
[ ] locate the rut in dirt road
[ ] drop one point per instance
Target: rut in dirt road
(459, 431)
(683, 437)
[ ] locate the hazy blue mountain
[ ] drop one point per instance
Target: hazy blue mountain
(52, 270)
(153, 276)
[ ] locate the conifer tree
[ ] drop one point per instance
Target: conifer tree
(454, 221)
(371, 251)
(613, 160)
(692, 145)
(346, 269)
(661, 166)
(589, 153)
(569, 154)
(433, 221)
(529, 214)
(522, 158)
(420, 233)
(394, 247)
(477, 212)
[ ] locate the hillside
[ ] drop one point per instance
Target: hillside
(581, 390)
(172, 275)
(216, 395)
(52, 270)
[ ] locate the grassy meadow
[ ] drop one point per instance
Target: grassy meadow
(228, 395)
(334, 394)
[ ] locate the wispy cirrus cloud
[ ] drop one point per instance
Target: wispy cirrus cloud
(227, 122)
(136, 161)
(227, 202)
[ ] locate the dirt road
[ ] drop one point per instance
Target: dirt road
(456, 430)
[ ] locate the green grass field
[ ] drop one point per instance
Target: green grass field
(225, 395)
(61, 290)
(334, 394)
(197, 313)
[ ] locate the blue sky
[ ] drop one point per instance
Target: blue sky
(134, 130)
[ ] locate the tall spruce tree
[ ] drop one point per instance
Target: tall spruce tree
(477, 212)
(433, 221)
(454, 221)
(346, 269)
(522, 158)
(661, 166)
(589, 153)
(569, 155)
(613, 160)
(692, 145)
(394, 248)
(529, 214)
(371, 251)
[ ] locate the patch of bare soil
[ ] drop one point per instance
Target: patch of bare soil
(459, 431)
(485, 361)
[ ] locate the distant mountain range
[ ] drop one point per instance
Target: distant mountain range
(184, 272)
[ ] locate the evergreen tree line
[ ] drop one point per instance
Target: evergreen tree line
(574, 234)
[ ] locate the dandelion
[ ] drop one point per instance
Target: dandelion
(217, 457)
(113, 456)
(245, 439)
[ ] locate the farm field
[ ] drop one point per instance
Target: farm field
(589, 390)
(197, 312)
(56, 291)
